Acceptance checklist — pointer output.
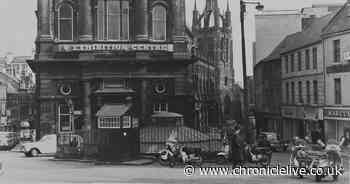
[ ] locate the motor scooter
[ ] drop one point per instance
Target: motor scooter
(330, 163)
(173, 154)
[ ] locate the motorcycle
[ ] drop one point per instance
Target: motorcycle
(329, 161)
(258, 155)
(173, 154)
(255, 155)
(300, 158)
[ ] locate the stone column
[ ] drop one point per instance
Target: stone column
(141, 20)
(144, 99)
(43, 14)
(179, 19)
(87, 117)
(85, 20)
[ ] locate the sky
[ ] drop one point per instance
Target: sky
(18, 25)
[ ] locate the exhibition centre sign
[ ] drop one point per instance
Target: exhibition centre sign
(126, 47)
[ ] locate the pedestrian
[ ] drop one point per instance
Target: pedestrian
(237, 144)
(317, 138)
(345, 140)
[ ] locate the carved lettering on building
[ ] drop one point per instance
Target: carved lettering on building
(115, 47)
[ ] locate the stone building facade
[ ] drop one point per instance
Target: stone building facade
(336, 39)
(104, 67)
(303, 81)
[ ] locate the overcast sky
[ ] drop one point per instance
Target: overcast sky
(18, 24)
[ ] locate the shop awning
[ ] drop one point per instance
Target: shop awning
(114, 91)
(112, 110)
(166, 115)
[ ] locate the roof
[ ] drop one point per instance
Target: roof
(276, 52)
(309, 36)
(340, 22)
(278, 12)
(21, 59)
(114, 91)
(166, 115)
(113, 110)
(183, 134)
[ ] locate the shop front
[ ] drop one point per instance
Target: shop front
(337, 122)
(300, 121)
(293, 122)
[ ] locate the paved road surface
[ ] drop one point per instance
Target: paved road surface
(21, 170)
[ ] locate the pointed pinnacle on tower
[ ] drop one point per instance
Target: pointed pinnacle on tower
(228, 6)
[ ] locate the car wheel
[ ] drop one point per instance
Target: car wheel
(34, 152)
(318, 178)
(27, 154)
(221, 160)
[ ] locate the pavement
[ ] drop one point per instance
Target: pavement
(44, 170)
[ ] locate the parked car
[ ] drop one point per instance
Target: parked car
(276, 144)
(46, 145)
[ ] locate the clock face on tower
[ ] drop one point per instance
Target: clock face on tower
(65, 89)
(160, 88)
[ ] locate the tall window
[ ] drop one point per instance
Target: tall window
(300, 88)
(287, 93)
(65, 22)
(336, 51)
(315, 86)
(308, 94)
(286, 61)
(292, 62)
(307, 59)
(293, 92)
(299, 61)
(159, 23)
(113, 20)
(65, 118)
(337, 92)
(161, 107)
(314, 57)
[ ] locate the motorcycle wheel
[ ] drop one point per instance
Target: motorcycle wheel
(335, 177)
(200, 161)
(300, 176)
(163, 162)
(220, 160)
(318, 178)
(172, 164)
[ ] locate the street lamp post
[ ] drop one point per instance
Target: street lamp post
(243, 5)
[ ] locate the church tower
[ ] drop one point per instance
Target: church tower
(213, 33)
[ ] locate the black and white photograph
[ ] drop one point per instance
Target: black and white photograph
(174, 91)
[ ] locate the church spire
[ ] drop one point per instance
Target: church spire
(195, 17)
(228, 15)
(228, 6)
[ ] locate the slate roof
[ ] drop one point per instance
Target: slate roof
(298, 40)
(21, 59)
(340, 22)
(310, 35)
(112, 110)
(276, 53)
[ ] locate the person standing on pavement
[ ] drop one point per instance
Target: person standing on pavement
(345, 140)
(237, 146)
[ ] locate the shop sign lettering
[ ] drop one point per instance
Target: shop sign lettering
(336, 114)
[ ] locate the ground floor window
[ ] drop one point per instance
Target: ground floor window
(112, 122)
(161, 107)
(65, 118)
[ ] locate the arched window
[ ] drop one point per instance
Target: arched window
(113, 20)
(65, 22)
(159, 23)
